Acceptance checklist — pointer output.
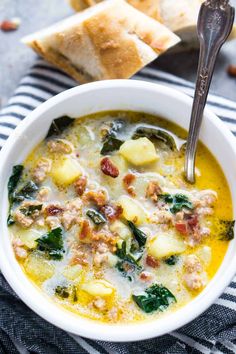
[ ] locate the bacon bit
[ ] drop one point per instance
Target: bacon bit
(112, 212)
(181, 227)
(53, 210)
(153, 190)
(188, 224)
(80, 185)
(98, 197)
(232, 70)
(86, 230)
(146, 276)
(192, 221)
(10, 25)
(152, 262)
(127, 181)
(108, 168)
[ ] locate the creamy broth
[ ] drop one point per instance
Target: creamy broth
(104, 223)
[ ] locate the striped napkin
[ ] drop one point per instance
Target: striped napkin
(22, 331)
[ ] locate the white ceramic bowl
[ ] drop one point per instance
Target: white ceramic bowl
(100, 96)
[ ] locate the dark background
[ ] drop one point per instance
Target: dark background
(15, 58)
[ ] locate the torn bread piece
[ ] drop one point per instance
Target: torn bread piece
(107, 41)
(180, 16)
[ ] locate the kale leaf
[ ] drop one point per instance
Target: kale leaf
(52, 244)
(157, 297)
(10, 219)
(62, 291)
(12, 185)
(172, 260)
(59, 125)
(28, 191)
(111, 144)
(74, 294)
(227, 230)
(139, 235)
(14, 180)
(31, 209)
(121, 251)
(111, 141)
(96, 217)
(178, 201)
(157, 133)
(128, 264)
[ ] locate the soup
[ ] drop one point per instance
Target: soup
(103, 222)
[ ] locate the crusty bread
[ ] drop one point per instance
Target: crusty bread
(175, 14)
(180, 16)
(107, 41)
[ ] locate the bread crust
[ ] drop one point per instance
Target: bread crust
(109, 41)
(175, 14)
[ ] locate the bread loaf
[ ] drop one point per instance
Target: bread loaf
(180, 16)
(107, 41)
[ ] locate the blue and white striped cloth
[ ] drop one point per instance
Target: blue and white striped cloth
(212, 332)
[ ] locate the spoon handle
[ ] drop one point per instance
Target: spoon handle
(215, 23)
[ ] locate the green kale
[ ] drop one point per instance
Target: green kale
(59, 125)
(139, 235)
(62, 291)
(112, 142)
(128, 264)
(31, 209)
(125, 269)
(227, 230)
(157, 297)
(28, 191)
(155, 133)
(12, 185)
(10, 220)
(52, 244)
(74, 294)
(178, 201)
(14, 180)
(172, 260)
(117, 126)
(96, 217)
(121, 251)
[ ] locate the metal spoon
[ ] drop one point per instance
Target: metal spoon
(215, 23)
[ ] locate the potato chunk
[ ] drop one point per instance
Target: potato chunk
(38, 268)
(28, 237)
(132, 210)
(120, 229)
(139, 152)
(66, 172)
(73, 272)
(166, 245)
(98, 288)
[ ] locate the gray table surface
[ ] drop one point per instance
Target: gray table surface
(15, 58)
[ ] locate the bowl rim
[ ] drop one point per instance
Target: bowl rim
(89, 328)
